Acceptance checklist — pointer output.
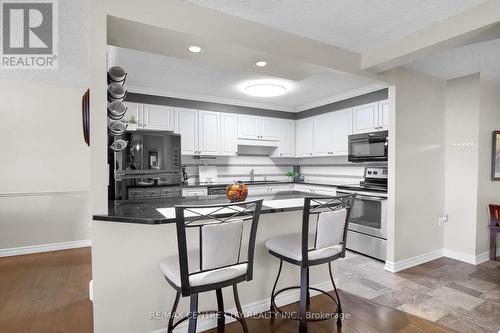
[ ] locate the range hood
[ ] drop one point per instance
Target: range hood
(257, 143)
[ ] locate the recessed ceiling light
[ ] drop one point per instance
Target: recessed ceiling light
(261, 63)
(195, 49)
(265, 90)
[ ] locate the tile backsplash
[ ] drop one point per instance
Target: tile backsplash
(323, 170)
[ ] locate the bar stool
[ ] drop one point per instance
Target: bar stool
(217, 258)
(326, 244)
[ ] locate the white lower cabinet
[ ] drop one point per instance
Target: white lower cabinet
(304, 137)
(194, 191)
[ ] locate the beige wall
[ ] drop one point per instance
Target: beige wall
(416, 163)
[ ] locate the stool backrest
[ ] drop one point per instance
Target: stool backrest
(220, 239)
(494, 215)
(332, 216)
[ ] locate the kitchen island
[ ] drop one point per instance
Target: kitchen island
(131, 295)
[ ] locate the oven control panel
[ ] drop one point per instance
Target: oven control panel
(376, 172)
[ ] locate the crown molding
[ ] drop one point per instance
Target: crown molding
(348, 94)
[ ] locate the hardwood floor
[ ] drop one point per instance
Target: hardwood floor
(365, 317)
(46, 292)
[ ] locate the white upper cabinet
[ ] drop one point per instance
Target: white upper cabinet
(187, 127)
(158, 117)
(229, 134)
(323, 134)
(286, 147)
(365, 118)
(258, 128)
(248, 127)
(383, 114)
(269, 129)
(209, 132)
(304, 137)
(342, 128)
(371, 117)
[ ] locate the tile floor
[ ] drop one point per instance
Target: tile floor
(454, 294)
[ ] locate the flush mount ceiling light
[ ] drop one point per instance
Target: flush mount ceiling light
(265, 90)
(195, 49)
(260, 63)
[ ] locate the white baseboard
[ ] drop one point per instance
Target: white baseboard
(413, 261)
(423, 258)
(251, 308)
(16, 251)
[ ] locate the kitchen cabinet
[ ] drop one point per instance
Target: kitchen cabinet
(365, 118)
(158, 117)
(258, 128)
(187, 127)
(342, 128)
(152, 117)
(229, 134)
(383, 108)
(304, 137)
(331, 131)
(209, 132)
(286, 147)
(371, 117)
(194, 191)
(323, 134)
(206, 132)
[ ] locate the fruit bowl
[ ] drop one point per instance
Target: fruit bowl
(236, 192)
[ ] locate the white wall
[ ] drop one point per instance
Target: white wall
(472, 113)
(488, 190)
(44, 174)
(462, 134)
(416, 163)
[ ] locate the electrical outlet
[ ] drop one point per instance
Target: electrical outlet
(442, 220)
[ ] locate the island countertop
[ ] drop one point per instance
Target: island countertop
(145, 211)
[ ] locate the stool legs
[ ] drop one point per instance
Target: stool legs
(493, 244)
(172, 313)
(339, 312)
(221, 318)
(303, 299)
(193, 313)
(238, 307)
(274, 289)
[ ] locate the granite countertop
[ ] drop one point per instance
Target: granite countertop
(145, 211)
(256, 183)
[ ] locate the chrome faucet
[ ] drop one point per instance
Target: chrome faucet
(252, 175)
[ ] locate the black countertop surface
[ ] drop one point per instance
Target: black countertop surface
(144, 211)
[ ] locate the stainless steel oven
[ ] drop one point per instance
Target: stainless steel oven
(367, 231)
(368, 147)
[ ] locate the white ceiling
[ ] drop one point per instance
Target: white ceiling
(185, 78)
(480, 57)
(357, 25)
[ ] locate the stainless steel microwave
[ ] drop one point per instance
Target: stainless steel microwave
(368, 147)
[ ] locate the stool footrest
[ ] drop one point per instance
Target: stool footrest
(276, 308)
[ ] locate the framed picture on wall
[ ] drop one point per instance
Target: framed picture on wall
(495, 159)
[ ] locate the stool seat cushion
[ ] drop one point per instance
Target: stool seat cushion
(170, 268)
(290, 246)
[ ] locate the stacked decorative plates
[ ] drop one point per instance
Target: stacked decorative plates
(116, 109)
